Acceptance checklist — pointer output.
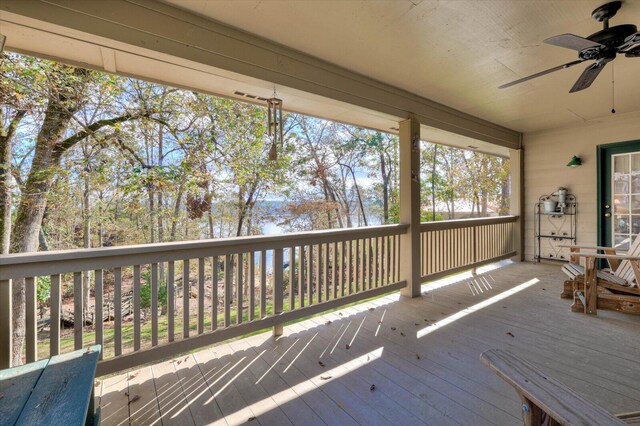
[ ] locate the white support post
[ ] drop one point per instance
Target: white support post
(410, 206)
(516, 199)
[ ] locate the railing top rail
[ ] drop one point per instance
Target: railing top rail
(466, 223)
(21, 265)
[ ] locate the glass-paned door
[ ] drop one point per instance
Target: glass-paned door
(618, 193)
(626, 198)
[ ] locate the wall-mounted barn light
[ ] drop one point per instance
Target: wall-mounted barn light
(574, 162)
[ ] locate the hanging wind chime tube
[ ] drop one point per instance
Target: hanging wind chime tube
(274, 125)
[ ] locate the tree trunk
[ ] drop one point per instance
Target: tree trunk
(244, 208)
(42, 241)
(329, 220)
(100, 217)
(152, 212)
(385, 189)
(86, 231)
(161, 265)
(31, 208)
(484, 203)
(176, 211)
(6, 135)
(49, 148)
(360, 203)
(433, 182)
(160, 200)
(504, 190)
(210, 220)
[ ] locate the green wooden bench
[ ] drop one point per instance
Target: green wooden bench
(58, 390)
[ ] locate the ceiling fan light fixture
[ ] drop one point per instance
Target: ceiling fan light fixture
(574, 162)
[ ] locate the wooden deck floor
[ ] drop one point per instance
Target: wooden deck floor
(422, 355)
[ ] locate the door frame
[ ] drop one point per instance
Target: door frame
(603, 158)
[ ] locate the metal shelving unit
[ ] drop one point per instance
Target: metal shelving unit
(556, 228)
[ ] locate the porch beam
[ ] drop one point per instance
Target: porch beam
(150, 24)
(410, 206)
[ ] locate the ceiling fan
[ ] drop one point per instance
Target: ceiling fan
(601, 47)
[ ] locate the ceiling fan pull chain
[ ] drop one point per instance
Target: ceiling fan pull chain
(613, 90)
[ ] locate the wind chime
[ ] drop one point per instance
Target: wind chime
(274, 125)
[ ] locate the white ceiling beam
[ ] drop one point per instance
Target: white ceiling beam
(108, 60)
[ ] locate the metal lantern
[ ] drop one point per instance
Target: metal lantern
(274, 125)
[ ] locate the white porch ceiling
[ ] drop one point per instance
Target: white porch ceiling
(38, 37)
(455, 52)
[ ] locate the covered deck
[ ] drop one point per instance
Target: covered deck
(421, 354)
(421, 350)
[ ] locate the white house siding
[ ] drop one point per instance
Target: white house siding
(548, 152)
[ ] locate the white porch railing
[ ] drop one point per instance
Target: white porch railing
(165, 299)
(456, 245)
(231, 290)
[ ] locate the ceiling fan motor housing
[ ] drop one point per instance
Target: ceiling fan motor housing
(611, 38)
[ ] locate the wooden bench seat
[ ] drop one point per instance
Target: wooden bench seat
(55, 391)
(546, 401)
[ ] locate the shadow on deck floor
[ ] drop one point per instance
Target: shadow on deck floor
(421, 354)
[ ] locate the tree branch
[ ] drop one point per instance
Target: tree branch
(64, 145)
(13, 125)
(131, 151)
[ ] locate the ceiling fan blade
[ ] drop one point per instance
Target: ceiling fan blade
(587, 77)
(572, 41)
(633, 53)
(541, 73)
(630, 41)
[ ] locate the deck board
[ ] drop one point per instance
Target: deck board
(244, 385)
(450, 383)
(219, 373)
(114, 401)
(172, 403)
(432, 378)
(198, 394)
(306, 390)
(296, 409)
(143, 401)
(350, 391)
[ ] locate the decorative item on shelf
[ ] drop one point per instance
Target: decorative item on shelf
(556, 202)
(562, 199)
(550, 206)
(274, 125)
(575, 161)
